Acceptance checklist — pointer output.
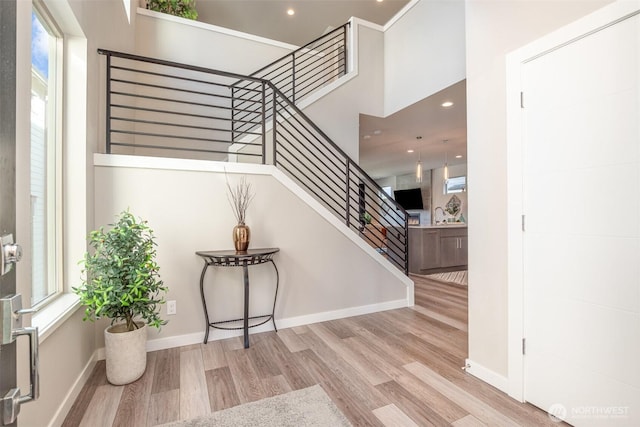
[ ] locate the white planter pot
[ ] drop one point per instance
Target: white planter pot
(126, 353)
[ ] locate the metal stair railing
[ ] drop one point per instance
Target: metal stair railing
(308, 156)
(302, 72)
(163, 108)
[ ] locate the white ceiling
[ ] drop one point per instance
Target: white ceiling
(268, 18)
(384, 141)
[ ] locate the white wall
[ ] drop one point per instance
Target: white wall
(159, 35)
(65, 358)
(189, 211)
(492, 30)
(424, 52)
(337, 113)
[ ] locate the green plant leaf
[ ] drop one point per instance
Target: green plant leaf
(121, 278)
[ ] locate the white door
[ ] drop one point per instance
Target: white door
(581, 164)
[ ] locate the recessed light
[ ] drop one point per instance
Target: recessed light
(447, 104)
(366, 136)
(377, 132)
(379, 1)
(291, 12)
(409, 151)
(459, 156)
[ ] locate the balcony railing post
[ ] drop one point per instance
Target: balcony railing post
(264, 122)
(344, 48)
(293, 78)
(406, 244)
(233, 114)
(274, 124)
(108, 104)
(348, 202)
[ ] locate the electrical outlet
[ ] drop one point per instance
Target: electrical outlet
(171, 307)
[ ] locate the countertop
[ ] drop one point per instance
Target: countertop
(454, 225)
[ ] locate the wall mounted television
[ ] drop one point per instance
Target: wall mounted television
(409, 199)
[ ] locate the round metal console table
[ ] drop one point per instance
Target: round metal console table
(229, 258)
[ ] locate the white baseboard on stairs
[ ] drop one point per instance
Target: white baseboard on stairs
(487, 375)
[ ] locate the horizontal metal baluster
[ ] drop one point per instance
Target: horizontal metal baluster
(314, 173)
(313, 192)
(175, 113)
(161, 147)
(324, 163)
(318, 137)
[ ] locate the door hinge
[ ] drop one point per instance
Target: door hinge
(521, 99)
(524, 346)
(522, 222)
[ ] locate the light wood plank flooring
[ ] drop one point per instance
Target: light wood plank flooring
(395, 368)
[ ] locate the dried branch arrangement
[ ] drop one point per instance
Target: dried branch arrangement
(239, 198)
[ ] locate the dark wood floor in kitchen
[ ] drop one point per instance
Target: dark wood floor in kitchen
(399, 367)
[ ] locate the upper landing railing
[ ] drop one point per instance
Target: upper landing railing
(310, 67)
(162, 108)
(299, 73)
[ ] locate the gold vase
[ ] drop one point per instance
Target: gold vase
(241, 236)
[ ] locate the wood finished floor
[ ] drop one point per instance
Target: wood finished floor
(395, 368)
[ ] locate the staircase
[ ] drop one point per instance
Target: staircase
(163, 108)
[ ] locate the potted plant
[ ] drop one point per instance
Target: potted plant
(121, 282)
(181, 8)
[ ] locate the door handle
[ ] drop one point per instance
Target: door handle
(11, 312)
(10, 254)
(12, 400)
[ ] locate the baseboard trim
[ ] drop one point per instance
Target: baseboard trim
(58, 418)
(290, 322)
(341, 314)
(487, 375)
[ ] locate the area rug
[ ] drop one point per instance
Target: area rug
(307, 407)
(457, 277)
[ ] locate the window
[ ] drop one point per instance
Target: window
(46, 78)
(457, 184)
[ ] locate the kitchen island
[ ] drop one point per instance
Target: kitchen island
(437, 248)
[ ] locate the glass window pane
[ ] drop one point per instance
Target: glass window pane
(44, 60)
(457, 184)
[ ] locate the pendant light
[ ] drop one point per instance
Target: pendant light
(445, 172)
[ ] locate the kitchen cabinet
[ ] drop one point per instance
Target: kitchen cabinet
(453, 247)
(437, 248)
(424, 252)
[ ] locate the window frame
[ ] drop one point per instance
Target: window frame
(54, 142)
(445, 185)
